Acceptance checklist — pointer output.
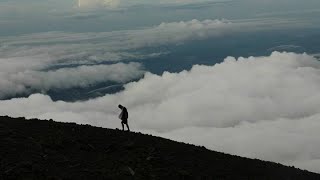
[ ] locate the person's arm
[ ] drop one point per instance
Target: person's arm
(121, 114)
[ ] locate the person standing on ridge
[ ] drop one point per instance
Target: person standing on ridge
(124, 117)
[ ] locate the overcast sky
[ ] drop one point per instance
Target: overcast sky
(263, 103)
(20, 16)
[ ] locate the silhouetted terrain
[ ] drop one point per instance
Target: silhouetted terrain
(34, 149)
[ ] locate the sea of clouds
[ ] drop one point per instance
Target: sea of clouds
(258, 107)
(61, 60)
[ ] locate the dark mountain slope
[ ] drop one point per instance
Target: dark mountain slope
(34, 149)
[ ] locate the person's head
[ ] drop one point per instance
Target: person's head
(120, 106)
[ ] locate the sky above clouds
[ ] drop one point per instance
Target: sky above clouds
(237, 76)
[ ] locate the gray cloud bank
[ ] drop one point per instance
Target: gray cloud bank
(166, 32)
(114, 45)
(258, 107)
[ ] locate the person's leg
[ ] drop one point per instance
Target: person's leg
(128, 127)
(122, 126)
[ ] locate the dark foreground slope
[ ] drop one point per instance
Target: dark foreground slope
(34, 149)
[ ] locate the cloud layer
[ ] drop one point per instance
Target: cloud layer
(166, 32)
(82, 76)
(25, 59)
(258, 107)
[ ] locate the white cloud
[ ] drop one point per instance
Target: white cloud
(82, 76)
(258, 107)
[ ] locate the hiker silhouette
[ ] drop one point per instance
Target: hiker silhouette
(123, 116)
